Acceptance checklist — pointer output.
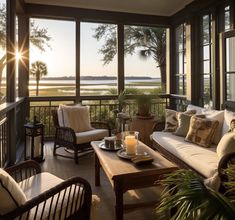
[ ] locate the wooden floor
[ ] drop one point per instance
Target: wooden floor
(64, 168)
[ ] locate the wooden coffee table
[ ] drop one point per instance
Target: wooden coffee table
(124, 175)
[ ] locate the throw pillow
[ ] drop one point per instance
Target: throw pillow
(183, 123)
(61, 115)
(11, 194)
(77, 118)
(226, 144)
(218, 116)
(201, 131)
(228, 116)
(171, 122)
(198, 109)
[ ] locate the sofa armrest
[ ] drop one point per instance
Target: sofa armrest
(224, 163)
(51, 202)
(24, 170)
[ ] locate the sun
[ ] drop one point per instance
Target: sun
(18, 56)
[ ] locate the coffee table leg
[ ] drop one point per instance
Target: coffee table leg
(119, 201)
(97, 171)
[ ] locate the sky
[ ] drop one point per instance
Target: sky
(60, 58)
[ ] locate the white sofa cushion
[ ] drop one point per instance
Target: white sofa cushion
(38, 184)
(199, 110)
(203, 160)
(10, 193)
(92, 135)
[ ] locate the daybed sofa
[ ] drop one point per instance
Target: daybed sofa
(205, 161)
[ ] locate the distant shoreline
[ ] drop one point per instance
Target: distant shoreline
(98, 78)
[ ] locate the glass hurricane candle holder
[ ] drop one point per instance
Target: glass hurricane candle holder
(130, 141)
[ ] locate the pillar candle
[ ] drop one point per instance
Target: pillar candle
(130, 143)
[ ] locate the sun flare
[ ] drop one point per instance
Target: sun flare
(18, 56)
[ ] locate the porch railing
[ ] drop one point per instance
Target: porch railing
(101, 109)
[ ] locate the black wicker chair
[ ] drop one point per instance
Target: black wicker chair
(66, 137)
(57, 201)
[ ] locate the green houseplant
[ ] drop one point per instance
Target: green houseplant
(144, 104)
(186, 192)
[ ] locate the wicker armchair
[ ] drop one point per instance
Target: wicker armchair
(49, 197)
(67, 137)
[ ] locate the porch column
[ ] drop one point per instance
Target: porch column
(23, 70)
(10, 77)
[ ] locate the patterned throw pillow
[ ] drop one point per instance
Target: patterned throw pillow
(184, 123)
(171, 122)
(201, 131)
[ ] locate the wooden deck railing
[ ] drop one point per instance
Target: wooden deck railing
(3, 142)
(101, 109)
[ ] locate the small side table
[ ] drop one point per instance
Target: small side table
(34, 141)
(144, 125)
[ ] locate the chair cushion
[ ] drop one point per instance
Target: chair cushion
(38, 184)
(76, 117)
(11, 194)
(60, 113)
(41, 182)
(226, 144)
(92, 135)
(201, 131)
(203, 160)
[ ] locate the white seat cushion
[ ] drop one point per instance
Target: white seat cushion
(203, 160)
(38, 184)
(11, 194)
(92, 135)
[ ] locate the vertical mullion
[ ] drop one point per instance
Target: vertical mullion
(120, 38)
(78, 47)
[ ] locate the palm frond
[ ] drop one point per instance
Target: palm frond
(193, 200)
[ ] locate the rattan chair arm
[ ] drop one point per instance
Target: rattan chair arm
(65, 134)
(24, 170)
(59, 190)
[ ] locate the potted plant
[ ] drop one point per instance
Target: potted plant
(144, 105)
(186, 193)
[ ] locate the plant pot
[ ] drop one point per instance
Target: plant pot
(143, 110)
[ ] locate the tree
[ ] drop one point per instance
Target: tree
(151, 42)
(38, 37)
(38, 70)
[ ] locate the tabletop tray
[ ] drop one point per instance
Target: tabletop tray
(122, 154)
(103, 147)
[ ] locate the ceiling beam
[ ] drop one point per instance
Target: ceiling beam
(20, 6)
(69, 13)
(193, 8)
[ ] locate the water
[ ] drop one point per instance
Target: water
(94, 84)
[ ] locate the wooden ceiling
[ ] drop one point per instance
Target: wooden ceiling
(149, 7)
